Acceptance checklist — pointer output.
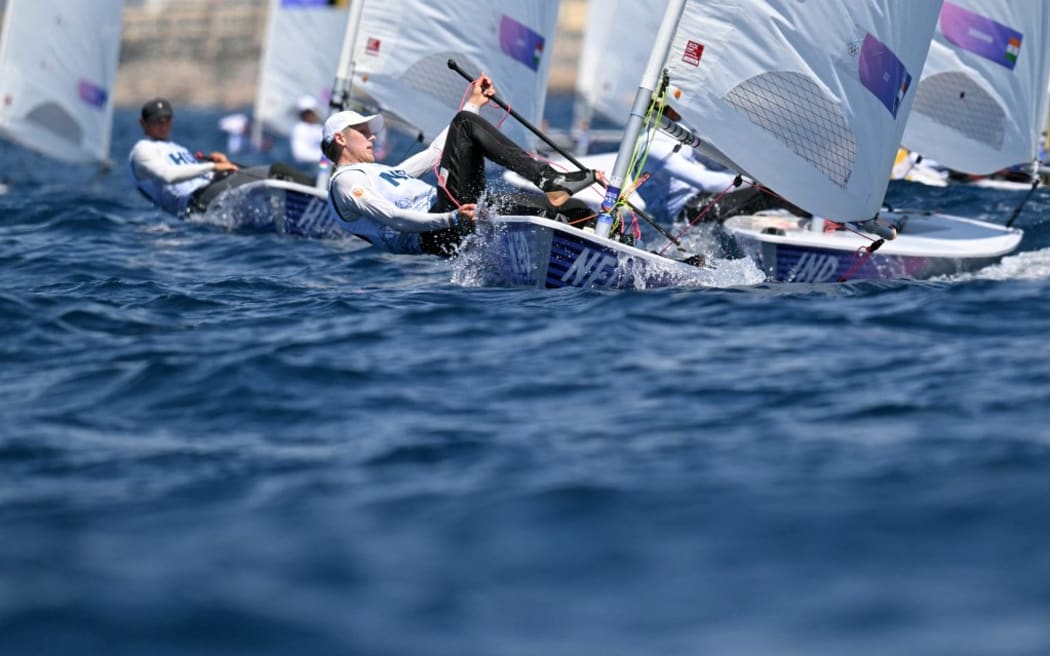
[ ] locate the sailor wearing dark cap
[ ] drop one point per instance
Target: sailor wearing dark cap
(179, 182)
(165, 172)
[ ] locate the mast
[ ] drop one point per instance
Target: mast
(642, 99)
(345, 72)
(340, 96)
(257, 126)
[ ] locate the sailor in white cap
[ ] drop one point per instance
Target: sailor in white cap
(305, 137)
(390, 207)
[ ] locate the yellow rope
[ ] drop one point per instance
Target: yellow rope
(640, 154)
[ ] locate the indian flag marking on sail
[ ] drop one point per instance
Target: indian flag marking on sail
(693, 52)
(92, 93)
(537, 55)
(883, 74)
(520, 42)
(1013, 48)
(980, 35)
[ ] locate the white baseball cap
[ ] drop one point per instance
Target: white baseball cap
(342, 120)
(306, 102)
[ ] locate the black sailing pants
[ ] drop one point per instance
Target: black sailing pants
(470, 141)
(202, 197)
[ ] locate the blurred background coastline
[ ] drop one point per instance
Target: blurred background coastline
(207, 52)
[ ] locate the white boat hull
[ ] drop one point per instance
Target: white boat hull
(927, 245)
(279, 205)
(1000, 184)
(528, 251)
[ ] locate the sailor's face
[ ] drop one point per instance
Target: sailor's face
(157, 128)
(358, 142)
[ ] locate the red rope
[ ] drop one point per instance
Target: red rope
(463, 102)
(863, 254)
(441, 184)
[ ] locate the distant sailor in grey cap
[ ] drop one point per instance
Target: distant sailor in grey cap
(178, 181)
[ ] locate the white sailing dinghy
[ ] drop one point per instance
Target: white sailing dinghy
(300, 57)
(982, 101)
(833, 97)
(58, 65)
(394, 58)
(537, 252)
(807, 97)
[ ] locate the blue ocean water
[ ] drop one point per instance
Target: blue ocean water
(216, 442)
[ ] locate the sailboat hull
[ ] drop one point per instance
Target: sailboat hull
(279, 205)
(1001, 185)
(527, 251)
(927, 245)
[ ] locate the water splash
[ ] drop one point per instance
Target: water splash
(1031, 265)
(480, 263)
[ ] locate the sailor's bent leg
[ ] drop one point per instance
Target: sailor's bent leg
(205, 195)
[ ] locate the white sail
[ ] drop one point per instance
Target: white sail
(58, 65)
(982, 100)
(617, 40)
(403, 46)
(300, 55)
(808, 97)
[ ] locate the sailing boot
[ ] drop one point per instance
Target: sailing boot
(560, 186)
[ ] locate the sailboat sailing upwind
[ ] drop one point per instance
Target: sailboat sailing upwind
(982, 101)
(811, 101)
(58, 65)
(978, 107)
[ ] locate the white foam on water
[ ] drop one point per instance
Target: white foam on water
(238, 208)
(740, 272)
(1031, 265)
(158, 228)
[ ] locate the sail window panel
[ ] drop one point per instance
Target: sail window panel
(796, 111)
(52, 117)
(956, 101)
(431, 76)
